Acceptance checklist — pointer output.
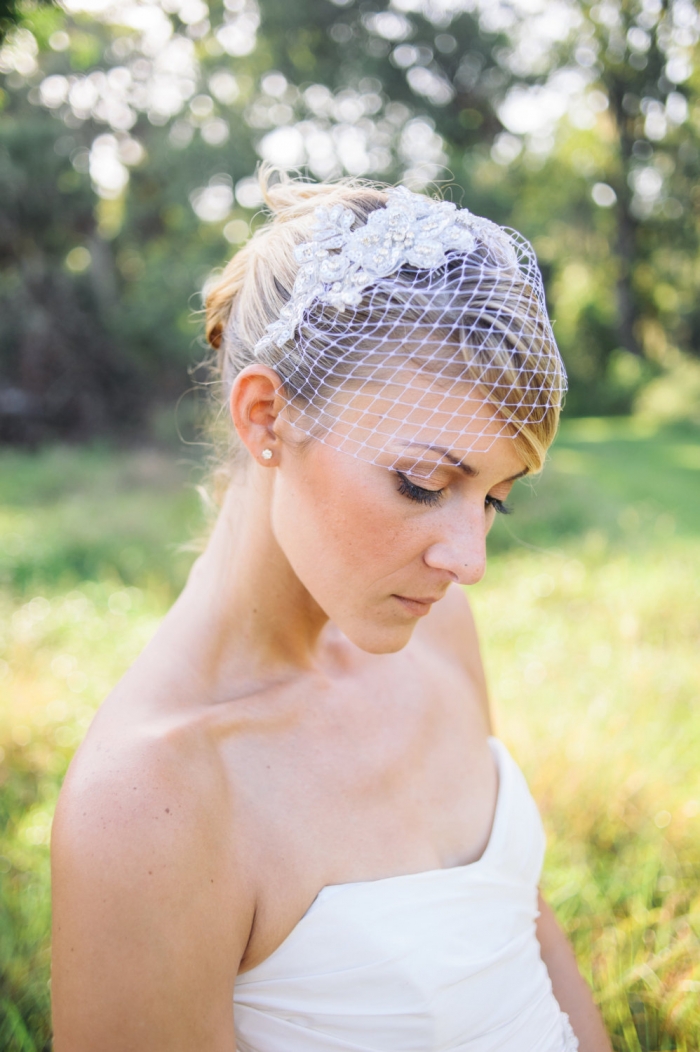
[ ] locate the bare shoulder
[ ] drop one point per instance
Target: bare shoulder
(137, 791)
(151, 906)
(451, 630)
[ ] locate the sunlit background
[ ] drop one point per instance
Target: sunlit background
(129, 138)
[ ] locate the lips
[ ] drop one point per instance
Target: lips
(416, 607)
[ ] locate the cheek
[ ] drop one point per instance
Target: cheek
(342, 531)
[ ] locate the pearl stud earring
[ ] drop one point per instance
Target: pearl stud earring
(266, 454)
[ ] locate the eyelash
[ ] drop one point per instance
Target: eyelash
(500, 506)
(431, 497)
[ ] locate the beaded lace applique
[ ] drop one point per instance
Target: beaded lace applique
(340, 262)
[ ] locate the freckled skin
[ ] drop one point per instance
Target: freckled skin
(303, 716)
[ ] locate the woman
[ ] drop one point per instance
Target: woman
(289, 827)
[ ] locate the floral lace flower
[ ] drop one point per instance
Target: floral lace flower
(341, 261)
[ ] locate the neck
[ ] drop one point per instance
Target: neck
(247, 616)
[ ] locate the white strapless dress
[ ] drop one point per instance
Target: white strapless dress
(440, 961)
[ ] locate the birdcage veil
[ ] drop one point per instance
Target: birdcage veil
(426, 322)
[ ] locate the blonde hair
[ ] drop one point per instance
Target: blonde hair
(257, 283)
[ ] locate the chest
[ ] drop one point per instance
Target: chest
(389, 774)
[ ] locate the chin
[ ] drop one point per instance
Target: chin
(376, 638)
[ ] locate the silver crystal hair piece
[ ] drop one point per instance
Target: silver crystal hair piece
(339, 262)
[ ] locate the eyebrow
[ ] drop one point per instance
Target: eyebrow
(466, 468)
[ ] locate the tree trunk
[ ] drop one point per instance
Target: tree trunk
(626, 241)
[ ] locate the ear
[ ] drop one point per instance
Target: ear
(256, 402)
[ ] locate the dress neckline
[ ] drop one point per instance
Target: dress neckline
(497, 750)
(500, 753)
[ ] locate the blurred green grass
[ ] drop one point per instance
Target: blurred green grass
(629, 479)
(590, 624)
(74, 514)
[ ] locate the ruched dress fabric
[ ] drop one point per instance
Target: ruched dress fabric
(440, 961)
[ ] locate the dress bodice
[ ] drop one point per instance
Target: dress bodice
(440, 961)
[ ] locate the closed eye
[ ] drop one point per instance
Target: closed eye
(431, 497)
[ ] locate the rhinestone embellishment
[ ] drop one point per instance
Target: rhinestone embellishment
(340, 262)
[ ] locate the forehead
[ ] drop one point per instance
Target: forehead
(410, 414)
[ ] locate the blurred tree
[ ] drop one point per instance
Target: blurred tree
(576, 122)
(632, 203)
(589, 106)
(8, 16)
(67, 373)
(97, 269)
(11, 12)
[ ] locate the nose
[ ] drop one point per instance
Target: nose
(460, 550)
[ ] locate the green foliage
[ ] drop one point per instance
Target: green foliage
(9, 16)
(56, 342)
(40, 14)
(106, 147)
(24, 905)
(589, 622)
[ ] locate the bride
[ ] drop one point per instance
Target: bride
(290, 828)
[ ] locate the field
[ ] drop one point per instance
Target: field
(590, 622)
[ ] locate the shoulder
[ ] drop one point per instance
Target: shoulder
(147, 889)
(153, 791)
(123, 773)
(451, 627)
(450, 630)
(452, 620)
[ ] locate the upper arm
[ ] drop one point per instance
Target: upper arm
(149, 922)
(569, 987)
(452, 629)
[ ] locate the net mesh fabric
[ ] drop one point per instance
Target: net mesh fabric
(425, 327)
